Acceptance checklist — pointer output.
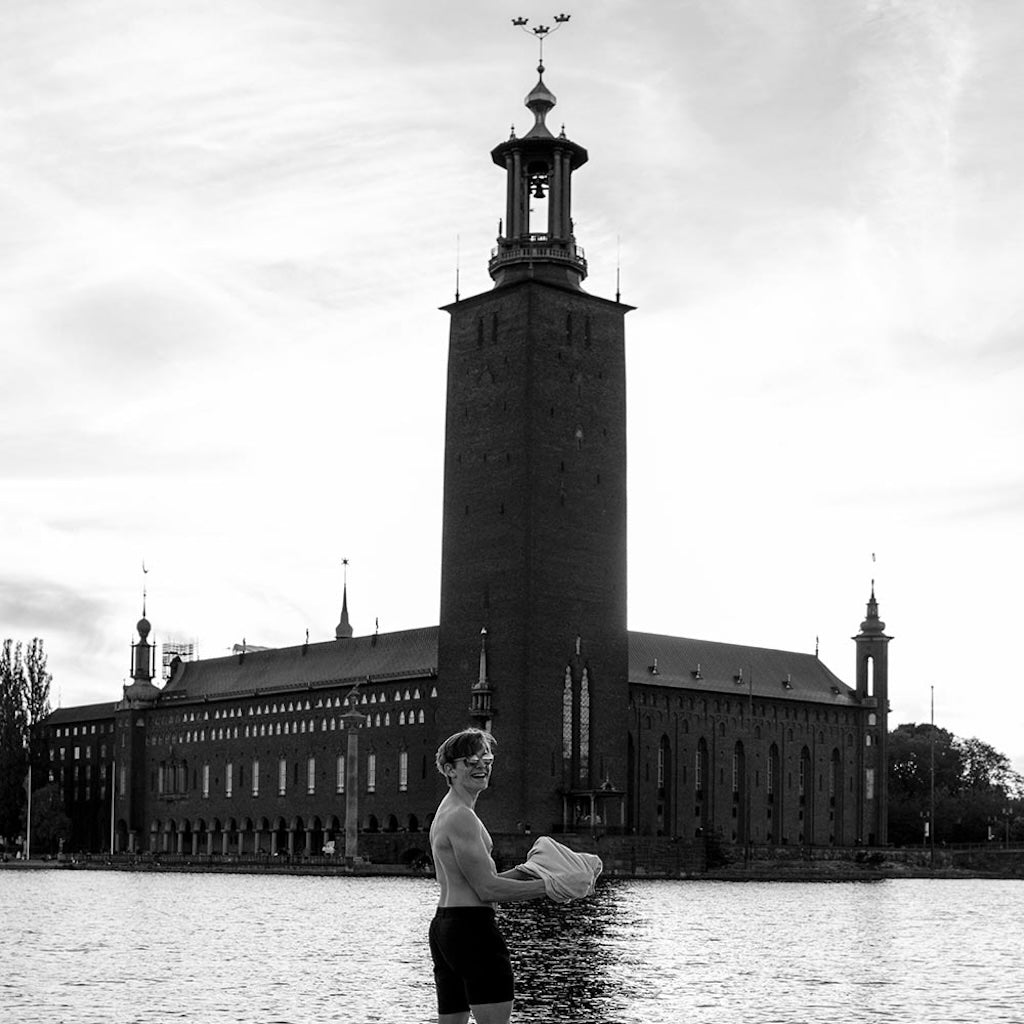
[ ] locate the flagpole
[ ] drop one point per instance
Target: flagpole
(28, 816)
(931, 808)
(112, 785)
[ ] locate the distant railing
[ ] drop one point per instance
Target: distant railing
(538, 247)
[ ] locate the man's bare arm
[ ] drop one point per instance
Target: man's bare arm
(477, 867)
(515, 873)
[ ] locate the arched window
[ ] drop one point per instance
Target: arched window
(584, 728)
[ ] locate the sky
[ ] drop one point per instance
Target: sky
(226, 229)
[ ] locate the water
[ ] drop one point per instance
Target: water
(79, 947)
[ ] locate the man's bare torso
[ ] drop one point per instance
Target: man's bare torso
(455, 888)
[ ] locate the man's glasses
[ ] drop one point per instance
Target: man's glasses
(475, 761)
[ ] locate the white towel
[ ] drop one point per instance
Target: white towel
(567, 875)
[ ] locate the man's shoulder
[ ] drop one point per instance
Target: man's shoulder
(456, 819)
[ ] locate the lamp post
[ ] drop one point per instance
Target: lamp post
(931, 787)
(354, 721)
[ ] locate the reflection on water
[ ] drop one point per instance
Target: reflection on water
(82, 947)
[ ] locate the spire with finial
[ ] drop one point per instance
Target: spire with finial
(872, 623)
(537, 240)
(343, 631)
(481, 681)
(481, 707)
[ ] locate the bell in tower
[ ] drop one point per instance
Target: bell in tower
(538, 242)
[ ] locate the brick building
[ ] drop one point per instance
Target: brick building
(600, 729)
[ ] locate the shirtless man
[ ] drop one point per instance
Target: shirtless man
(471, 962)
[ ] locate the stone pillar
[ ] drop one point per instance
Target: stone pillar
(354, 721)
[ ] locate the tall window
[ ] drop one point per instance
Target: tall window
(371, 773)
(282, 777)
(256, 778)
(584, 728)
(311, 775)
(206, 780)
(403, 771)
(229, 777)
(567, 716)
(340, 785)
(661, 765)
(698, 767)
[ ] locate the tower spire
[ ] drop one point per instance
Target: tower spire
(343, 631)
(536, 239)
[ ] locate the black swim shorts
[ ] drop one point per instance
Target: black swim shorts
(471, 964)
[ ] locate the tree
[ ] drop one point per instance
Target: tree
(24, 703)
(13, 738)
(50, 823)
(974, 785)
(37, 680)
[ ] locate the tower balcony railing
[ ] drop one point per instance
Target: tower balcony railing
(527, 248)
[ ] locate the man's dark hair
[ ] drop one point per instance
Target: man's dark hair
(463, 744)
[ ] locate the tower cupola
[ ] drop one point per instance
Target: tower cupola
(141, 687)
(535, 238)
(872, 624)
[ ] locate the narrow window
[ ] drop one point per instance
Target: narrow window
(567, 716)
(311, 775)
(371, 773)
(403, 771)
(585, 727)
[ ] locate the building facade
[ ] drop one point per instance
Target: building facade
(599, 728)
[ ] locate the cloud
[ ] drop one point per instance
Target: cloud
(32, 607)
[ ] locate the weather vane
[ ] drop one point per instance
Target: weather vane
(541, 32)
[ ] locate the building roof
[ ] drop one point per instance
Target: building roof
(408, 654)
(705, 665)
(412, 654)
(79, 714)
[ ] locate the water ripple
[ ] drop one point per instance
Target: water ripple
(84, 947)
